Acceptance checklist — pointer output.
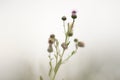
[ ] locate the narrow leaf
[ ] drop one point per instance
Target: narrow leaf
(68, 43)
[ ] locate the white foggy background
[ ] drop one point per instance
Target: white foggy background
(25, 26)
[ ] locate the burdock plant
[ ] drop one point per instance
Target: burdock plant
(55, 53)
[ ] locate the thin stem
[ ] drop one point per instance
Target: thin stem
(73, 22)
(64, 26)
(70, 56)
(63, 53)
(56, 44)
(51, 67)
(54, 76)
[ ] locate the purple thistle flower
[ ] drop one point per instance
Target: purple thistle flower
(74, 12)
(74, 16)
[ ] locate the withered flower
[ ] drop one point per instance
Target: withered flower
(64, 46)
(51, 40)
(81, 44)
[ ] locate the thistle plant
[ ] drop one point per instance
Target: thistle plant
(56, 54)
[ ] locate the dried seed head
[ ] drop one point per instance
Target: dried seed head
(81, 44)
(64, 46)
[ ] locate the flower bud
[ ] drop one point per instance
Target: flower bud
(81, 44)
(50, 49)
(63, 18)
(64, 46)
(70, 34)
(51, 40)
(75, 40)
(52, 36)
(74, 16)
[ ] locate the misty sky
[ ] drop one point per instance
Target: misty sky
(25, 26)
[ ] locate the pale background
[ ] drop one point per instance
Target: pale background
(25, 26)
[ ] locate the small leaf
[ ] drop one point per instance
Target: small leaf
(68, 43)
(73, 52)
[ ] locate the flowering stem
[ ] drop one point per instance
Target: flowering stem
(60, 60)
(57, 59)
